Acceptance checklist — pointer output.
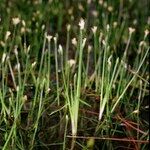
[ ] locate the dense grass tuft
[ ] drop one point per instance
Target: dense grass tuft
(74, 74)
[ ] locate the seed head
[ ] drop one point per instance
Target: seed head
(89, 48)
(146, 32)
(33, 64)
(94, 29)
(95, 13)
(55, 39)
(23, 30)
(104, 42)
(109, 60)
(68, 27)
(48, 37)
(15, 21)
(3, 57)
(43, 27)
(15, 50)
(84, 41)
(131, 30)
(74, 41)
(25, 98)
(80, 6)
(142, 43)
(23, 23)
(107, 27)
(82, 24)
(17, 66)
(89, 1)
(2, 43)
(115, 24)
(100, 2)
(71, 62)
(17, 88)
(136, 111)
(110, 8)
(60, 50)
(8, 33)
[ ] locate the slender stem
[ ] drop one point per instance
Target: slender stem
(129, 82)
(56, 70)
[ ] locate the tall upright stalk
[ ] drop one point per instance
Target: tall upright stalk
(56, 69)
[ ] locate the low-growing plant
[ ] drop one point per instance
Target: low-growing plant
(69, 85)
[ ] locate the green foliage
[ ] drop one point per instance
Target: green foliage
(74, 74)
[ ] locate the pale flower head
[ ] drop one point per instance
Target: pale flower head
(105, 4)
(146, 32)
(107, 27)
(15, 21)
(95, 13)
(23, 23)
(2, 43)
(28, 49)
(70, 10)
(23, 30)
(48, 90)
(4, 57)
(8, 33)
(68, 27)
(135, 21)
(100, 2)
(104, 42)
(142, 43)
(94, 29)
(74, 41)
(131, 30)
(43, 27)
(17, 66)
(84, 41)
(33, 64)
(82, 24)
(115, 24)
(80, 6)
(60, 49)
(67, 117)
(89, 48)
(136, 111)
(110, 8)
(48, 37)
(100, 37)
(89, 1)
(25, 98)
(71, 62)
(55, 39)
(109, 60)
(17, 88)
(16, 50)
